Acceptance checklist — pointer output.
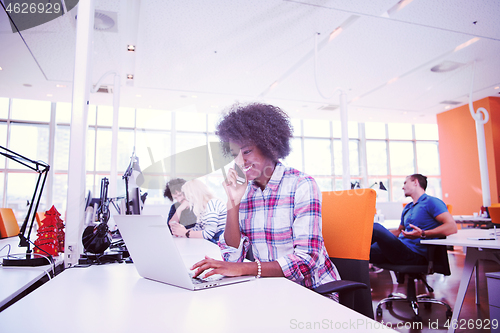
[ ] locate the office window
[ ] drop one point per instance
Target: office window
(92, 115)
(61, 149)
(191, 121)
(352, 129)
(426, 132)
(375, 131)
(4, 108)
(396, 188)
(156, 143)
(20, 189)
(2, 189)
(30, 140)
(376, 157)
(316, 128)
(318, 157)
(125, 149)
(400, 131)
(428, 158)
(297, 127)
(63, 113)
(154, 119)
(30, 110)
(294, 159)
(3, 134)
(90, 158)
(60, 192)
(104, 115)
(126, 118)
(103, 149)
(353, 157)
(213, 120)
(324, 184)
(402, 158)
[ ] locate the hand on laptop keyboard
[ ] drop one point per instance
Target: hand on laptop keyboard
(202, 277)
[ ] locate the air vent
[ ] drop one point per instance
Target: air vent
(451, 102)
(104, 21)
(329, 107)
(105, 90)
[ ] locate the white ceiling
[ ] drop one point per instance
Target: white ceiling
(203, 55)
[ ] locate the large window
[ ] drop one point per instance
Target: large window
(378, 152)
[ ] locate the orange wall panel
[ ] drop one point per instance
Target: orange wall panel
(460, 176)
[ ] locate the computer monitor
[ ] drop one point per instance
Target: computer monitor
(136, 202)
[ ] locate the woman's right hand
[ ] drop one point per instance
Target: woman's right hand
(184, 205)
(234, 190)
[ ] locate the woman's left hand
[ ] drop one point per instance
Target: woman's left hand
(218, 267)
(178, 229)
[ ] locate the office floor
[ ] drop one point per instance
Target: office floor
(445, 288)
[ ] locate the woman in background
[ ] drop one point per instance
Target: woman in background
(173, 192)
(210, 211)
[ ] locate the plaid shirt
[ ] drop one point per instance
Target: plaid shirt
(283, 224)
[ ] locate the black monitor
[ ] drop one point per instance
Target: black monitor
(136, 202)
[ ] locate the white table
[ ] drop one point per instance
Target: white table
(114, 298)
(15, 280)
(475, 250)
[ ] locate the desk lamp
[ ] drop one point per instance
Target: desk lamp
(42, 169)
(381, 186)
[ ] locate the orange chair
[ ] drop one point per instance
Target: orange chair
(39, 218)
(347, 232)
(8, 223)
(494, 211)
(450, 208)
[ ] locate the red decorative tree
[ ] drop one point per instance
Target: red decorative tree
(51, 234)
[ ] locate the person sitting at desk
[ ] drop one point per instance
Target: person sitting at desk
(173, 192)
(274, 211)
(425, 217)
(210, 211)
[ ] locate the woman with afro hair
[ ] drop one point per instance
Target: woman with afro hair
(274, 211)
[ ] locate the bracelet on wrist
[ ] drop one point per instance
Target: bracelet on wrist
(259, 268)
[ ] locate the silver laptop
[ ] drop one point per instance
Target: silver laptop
(156, 256)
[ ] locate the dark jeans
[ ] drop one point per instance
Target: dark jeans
(387, 248)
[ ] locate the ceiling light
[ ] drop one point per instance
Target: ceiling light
(49, 95)
(467, 43)
(446, 66)
(335, 33)
(60, 86)
(138, 95)
(446, 107)
(1, 68)
(131, 48)
(130, 76)
(497, 87)
(274, 84)
(392, 80)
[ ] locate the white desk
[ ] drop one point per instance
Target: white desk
(15, 280)
(475, 250)
(114, 298)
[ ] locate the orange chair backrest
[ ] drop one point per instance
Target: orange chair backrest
(450, 208)
(39, 218)
(494, 214)
(348, 222)
(8, 223)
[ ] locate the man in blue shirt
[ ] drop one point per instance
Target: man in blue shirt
(425, 217)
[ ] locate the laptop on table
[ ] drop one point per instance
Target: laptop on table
(156, 257)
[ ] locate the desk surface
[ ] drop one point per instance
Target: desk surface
(15, 280)
(462, 238)
(114, 298)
